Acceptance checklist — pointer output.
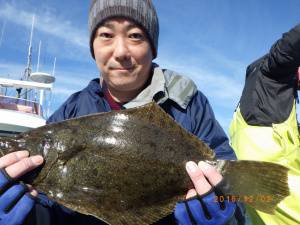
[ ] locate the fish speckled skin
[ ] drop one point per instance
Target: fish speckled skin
(127, 167)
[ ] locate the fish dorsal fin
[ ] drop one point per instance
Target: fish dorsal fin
(144, 216)
(152, 113)
(137, 216)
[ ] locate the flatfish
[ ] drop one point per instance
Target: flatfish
(128, 166)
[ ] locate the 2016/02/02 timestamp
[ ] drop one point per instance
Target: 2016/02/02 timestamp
(243, 198)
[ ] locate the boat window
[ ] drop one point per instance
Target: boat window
(21, 105)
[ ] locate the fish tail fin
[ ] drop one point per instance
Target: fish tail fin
(261, 185)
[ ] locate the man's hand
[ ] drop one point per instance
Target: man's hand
(16, 199)
(202, 205)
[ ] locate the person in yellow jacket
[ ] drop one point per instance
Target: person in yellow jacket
(264, 125)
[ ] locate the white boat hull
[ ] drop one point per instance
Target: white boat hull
(15, 122)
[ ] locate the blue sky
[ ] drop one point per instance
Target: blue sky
(211, 42)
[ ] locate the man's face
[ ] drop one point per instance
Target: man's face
(123, 55)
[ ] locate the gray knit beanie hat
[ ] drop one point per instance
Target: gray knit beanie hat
(142, 12)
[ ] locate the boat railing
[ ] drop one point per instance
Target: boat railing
(20, 105)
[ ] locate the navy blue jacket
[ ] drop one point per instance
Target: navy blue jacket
(197, 118)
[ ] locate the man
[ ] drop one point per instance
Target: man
(123, 42)
(264, 127)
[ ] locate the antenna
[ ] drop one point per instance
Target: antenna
(50, 94)
(28, 67)
(27, 71)
(54, 64)
(38, 60)
(42, 77)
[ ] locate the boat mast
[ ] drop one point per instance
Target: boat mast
(38, 59)
(50, 97)
(41, 98)
(27, 71)
(37, 70)
(54, 65)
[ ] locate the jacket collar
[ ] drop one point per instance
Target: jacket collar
(157, 85)
(94, 87)
(165, 84)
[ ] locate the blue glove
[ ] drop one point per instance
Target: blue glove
(15, 201)
(204, 210)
